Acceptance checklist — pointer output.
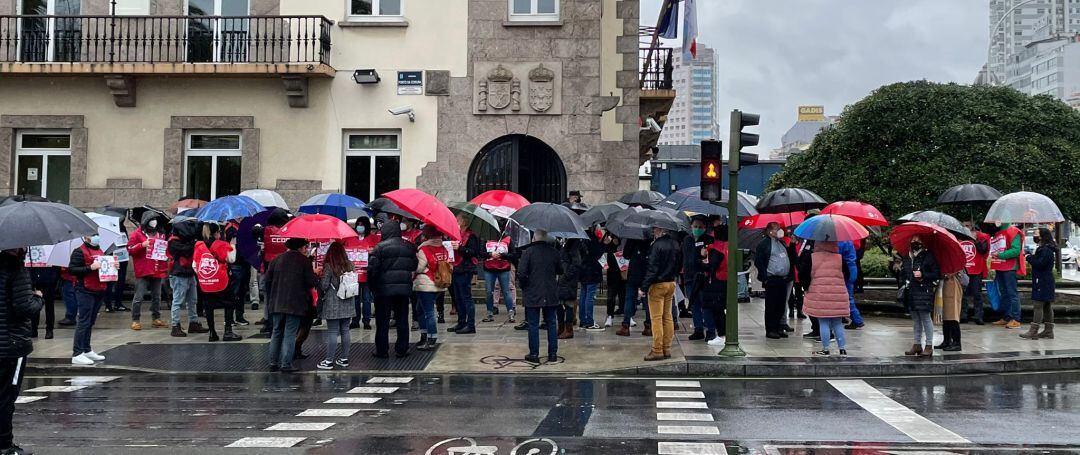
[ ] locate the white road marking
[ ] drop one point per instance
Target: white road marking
(679, 394)
(91, 380)
(682, 404)
(389, 380)
(267, 443)
(685, 429)
(685, 416)
(691, 448)
(695, 384)
(328, 413)
(895, 414)
(300, 426)
(56, 388)
(28, 399)
(353, 400)
(373, 390)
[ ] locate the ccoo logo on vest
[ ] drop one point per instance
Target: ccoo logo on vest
(969, 252)
(207, 267)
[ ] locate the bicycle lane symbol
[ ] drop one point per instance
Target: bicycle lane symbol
(468, 446)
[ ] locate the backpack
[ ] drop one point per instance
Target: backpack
(444, 274)
(348, 286)
(212, 275)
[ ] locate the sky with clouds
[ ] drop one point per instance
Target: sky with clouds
(774, 55)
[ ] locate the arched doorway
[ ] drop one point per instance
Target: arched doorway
(522, 164)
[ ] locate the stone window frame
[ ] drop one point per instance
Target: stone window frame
(10, 124)
(176, 135)
(531, 18)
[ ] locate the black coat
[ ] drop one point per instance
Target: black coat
(692, 267)
(1042, 273)
(920, 293)
(637, 252)
(469, 251)
(592, 270)
(289, 281)
(665, 260)
(17, 305)
(537, 271)
(571, 258)
(392, 264)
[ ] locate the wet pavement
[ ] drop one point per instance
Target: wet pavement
(344, 413)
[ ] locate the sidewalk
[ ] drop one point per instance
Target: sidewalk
(876, 349)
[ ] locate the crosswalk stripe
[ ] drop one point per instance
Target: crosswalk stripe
(266, 443)
(679, 394)
(690, 448)
(374, 390)
(91, 380)
(353, 400)
(56, 388)
(692, 384)
(895, 414)
(685, 416)
(328, 413)
(389, 380)
(687, 429)
(682, 404)
(300, 426)
(28, 399)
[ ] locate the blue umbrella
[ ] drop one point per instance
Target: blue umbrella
(336, 205)
(229, 208)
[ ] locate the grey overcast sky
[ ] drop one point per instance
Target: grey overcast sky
(774, 55)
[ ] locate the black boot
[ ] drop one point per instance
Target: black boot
(213, 335)
(230, 336)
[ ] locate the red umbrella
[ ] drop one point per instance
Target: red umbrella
(187, 204)
(500, 203)
(863, 213)
(762, 220)
(427, 209)
(317, 227)
(947, 250)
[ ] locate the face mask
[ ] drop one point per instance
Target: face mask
(698, 232)
(916, 246)
(1036, 239)
(779, 234)
(361, 230)
(152, 224)
(404, 227)
(95, 241)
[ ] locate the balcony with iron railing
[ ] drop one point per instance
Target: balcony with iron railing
(166, 45)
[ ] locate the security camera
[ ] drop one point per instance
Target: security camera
(404, 110)
(651, 125)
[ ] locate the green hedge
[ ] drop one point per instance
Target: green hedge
(875, 264)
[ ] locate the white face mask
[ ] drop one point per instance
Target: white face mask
(361, 230)
(779, 234)
(404, 227)
(152, 224)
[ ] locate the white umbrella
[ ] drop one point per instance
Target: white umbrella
(1024, 207)
(108, 230)
(266, 198)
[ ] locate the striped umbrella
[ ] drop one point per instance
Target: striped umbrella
(831, 228)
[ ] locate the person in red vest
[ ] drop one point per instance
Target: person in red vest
(211, 262)
(89, 295)
(977, 252)
(1006, 248)
(359, 250)
(497, 270)
(464, 261)
(714, 291)
(149, 272)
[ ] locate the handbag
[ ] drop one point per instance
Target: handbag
(993, 295)
(348, 286)
(901, 293)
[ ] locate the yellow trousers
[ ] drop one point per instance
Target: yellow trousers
(661, 298)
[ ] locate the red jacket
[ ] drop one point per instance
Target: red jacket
(140, 256)
(976, 261)
(273, 244)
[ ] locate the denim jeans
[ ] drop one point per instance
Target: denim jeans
(532, 317)
(461, 291)
(503, 278)
(631, 304)
(1010, 300)
(283, 340)
(701, 313)
(922, 325)
(89, 305)
(67, 294)
(363, 304)
(829, 327)
(183, 294)
(427, 308)
(337, 328)
(586, 301)
(856, 318)
(141, 286)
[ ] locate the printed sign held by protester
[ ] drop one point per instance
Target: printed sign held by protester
(109, 270)
(158, 250)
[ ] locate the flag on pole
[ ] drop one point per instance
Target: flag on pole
(690, 29)
(669, 24)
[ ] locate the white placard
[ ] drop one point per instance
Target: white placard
(158, 248)
(110, 268)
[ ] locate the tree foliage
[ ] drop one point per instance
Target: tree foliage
(905, 143)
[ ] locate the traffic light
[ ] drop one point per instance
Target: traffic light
(711, 165)
(739, 139)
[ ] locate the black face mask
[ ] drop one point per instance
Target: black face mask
(1036, 239)
(916, 247)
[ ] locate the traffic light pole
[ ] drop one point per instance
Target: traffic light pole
(734, 255)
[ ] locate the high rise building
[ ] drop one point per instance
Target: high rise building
(811, 121)
(1016, 23)
(693, 115)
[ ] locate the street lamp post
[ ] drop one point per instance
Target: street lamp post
(989, 45)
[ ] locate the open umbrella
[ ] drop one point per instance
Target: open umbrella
(500, 203)
(762, 220)
(428, 209)
(119, 212)
(946, 249)
(136, 213)
(790, 200)
(383, 205)
(322, 228)
(342, 206)
(555, 219)
(267, 198)
(22, 198)
(599, 213)
(479, 221)
(620, 225)
(247, 246)
(662, 219)
(108, 232)
(969, 193)
(229, 208)
(25, 224)
(689, 200)
(940, 219)
(1024, 207)
(186, 204)
(642, 197)
(831, 228)
(863, 213)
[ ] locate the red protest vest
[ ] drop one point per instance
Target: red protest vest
(975, 263)
(210, 265)
(720, 246)
(355, 246)
(411, 235)
(273, 244)
(91, 281)
(1002, 241)
(465, 235)
(434, 255)
(498, 264)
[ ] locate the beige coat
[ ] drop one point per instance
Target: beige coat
(952, 297)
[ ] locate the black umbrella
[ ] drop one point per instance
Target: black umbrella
(119, 212)
(600, 213)
(642, 197)
(24, 224)
(385, 205)
(969, 193)
(663, 219)
(750, 238)
(940, 219)
(555, 219)
(790, 200)
(22, 198)
(619, 224)
(689, 200)
(136, 213)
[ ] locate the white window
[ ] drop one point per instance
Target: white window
(534, 10)
(43, 164)
(372, 163)
(374, 9)
(212, 162)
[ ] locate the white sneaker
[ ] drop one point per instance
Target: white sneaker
(608, 322)
(95, 356)
(718, 341)
(632, 323)
(81, 359)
